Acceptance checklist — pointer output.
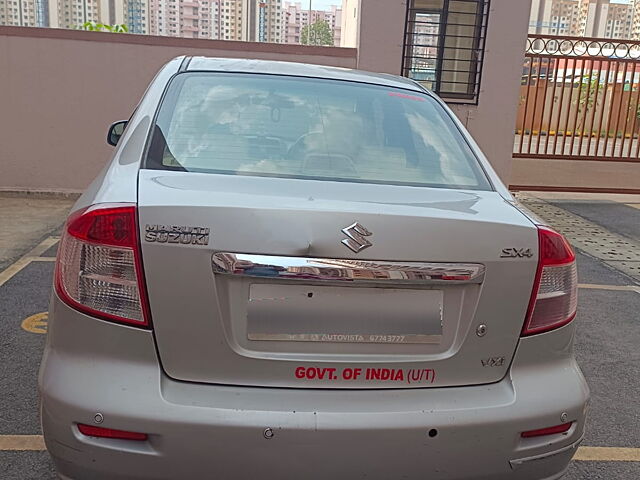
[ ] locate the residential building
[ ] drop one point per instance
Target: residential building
(268, 25)
(73, 13)
(556, 17)
(295, 18)
(136, 16)
(635, 23)
(588, 18)
(349, 23)
(233, 19)
(609, 19)
(185, 18)
(250, 20)
(24, 13)
(336, 25)
(244, 20)
(42, 13)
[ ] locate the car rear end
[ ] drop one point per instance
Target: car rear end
(267, 296)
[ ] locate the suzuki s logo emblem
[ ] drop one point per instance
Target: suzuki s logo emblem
(356, 240)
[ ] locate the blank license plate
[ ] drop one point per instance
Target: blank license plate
(298, 313)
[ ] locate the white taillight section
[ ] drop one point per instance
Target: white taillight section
(555, 291)
(98, 268)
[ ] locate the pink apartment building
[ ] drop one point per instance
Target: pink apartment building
(245, 20)
(184, 18)
(295, 18)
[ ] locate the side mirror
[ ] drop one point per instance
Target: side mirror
(115, 132)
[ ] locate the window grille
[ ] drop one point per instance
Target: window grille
(444, 46)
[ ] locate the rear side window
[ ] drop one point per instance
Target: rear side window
(292, 127)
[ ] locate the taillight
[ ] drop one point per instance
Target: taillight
(98, 268)
(554, 298)
(563, 428)
(101, 432)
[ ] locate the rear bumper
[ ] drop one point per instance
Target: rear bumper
(207, 431)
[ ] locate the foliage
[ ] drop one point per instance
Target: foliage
(320, 33)
(102, 27)
(589, 87)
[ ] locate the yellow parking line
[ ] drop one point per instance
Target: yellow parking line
(634, 205)
(620, 288)
(21, 442)
(607, 454)
(26, 259)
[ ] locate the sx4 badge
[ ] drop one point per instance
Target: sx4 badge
(516, 253)
(176, 234)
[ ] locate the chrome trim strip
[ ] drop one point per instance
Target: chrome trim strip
(344, 270)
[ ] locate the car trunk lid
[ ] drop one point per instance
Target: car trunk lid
(251, 282)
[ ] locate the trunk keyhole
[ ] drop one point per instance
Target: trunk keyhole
(310, 294)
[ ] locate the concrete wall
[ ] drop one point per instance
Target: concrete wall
(380, 36)
(576, 175)
(60, 90)
(492, 121)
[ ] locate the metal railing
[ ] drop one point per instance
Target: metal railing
(579, 100)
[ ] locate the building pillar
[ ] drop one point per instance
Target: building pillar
(380, 34)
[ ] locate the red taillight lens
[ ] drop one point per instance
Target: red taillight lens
(547, 431)
(98, 269)
(110, 433)
(555, 291)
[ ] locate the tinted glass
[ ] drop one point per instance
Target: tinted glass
(290, 127)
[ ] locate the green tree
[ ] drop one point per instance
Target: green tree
(589, 88)
(320, 33)
(101, 27)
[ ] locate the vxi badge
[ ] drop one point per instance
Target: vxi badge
(516, 253)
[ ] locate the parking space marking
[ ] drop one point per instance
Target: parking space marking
(634, 205)
(36, 323)
(21, 442)
(619, 288)
(26, 259)
(607, 454)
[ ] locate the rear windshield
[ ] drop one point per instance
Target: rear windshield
(292, 127)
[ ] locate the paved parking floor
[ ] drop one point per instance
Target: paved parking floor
(607, 347)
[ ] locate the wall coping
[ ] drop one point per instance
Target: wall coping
(157, 41)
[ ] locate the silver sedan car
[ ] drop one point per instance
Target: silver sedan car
(291, 271)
